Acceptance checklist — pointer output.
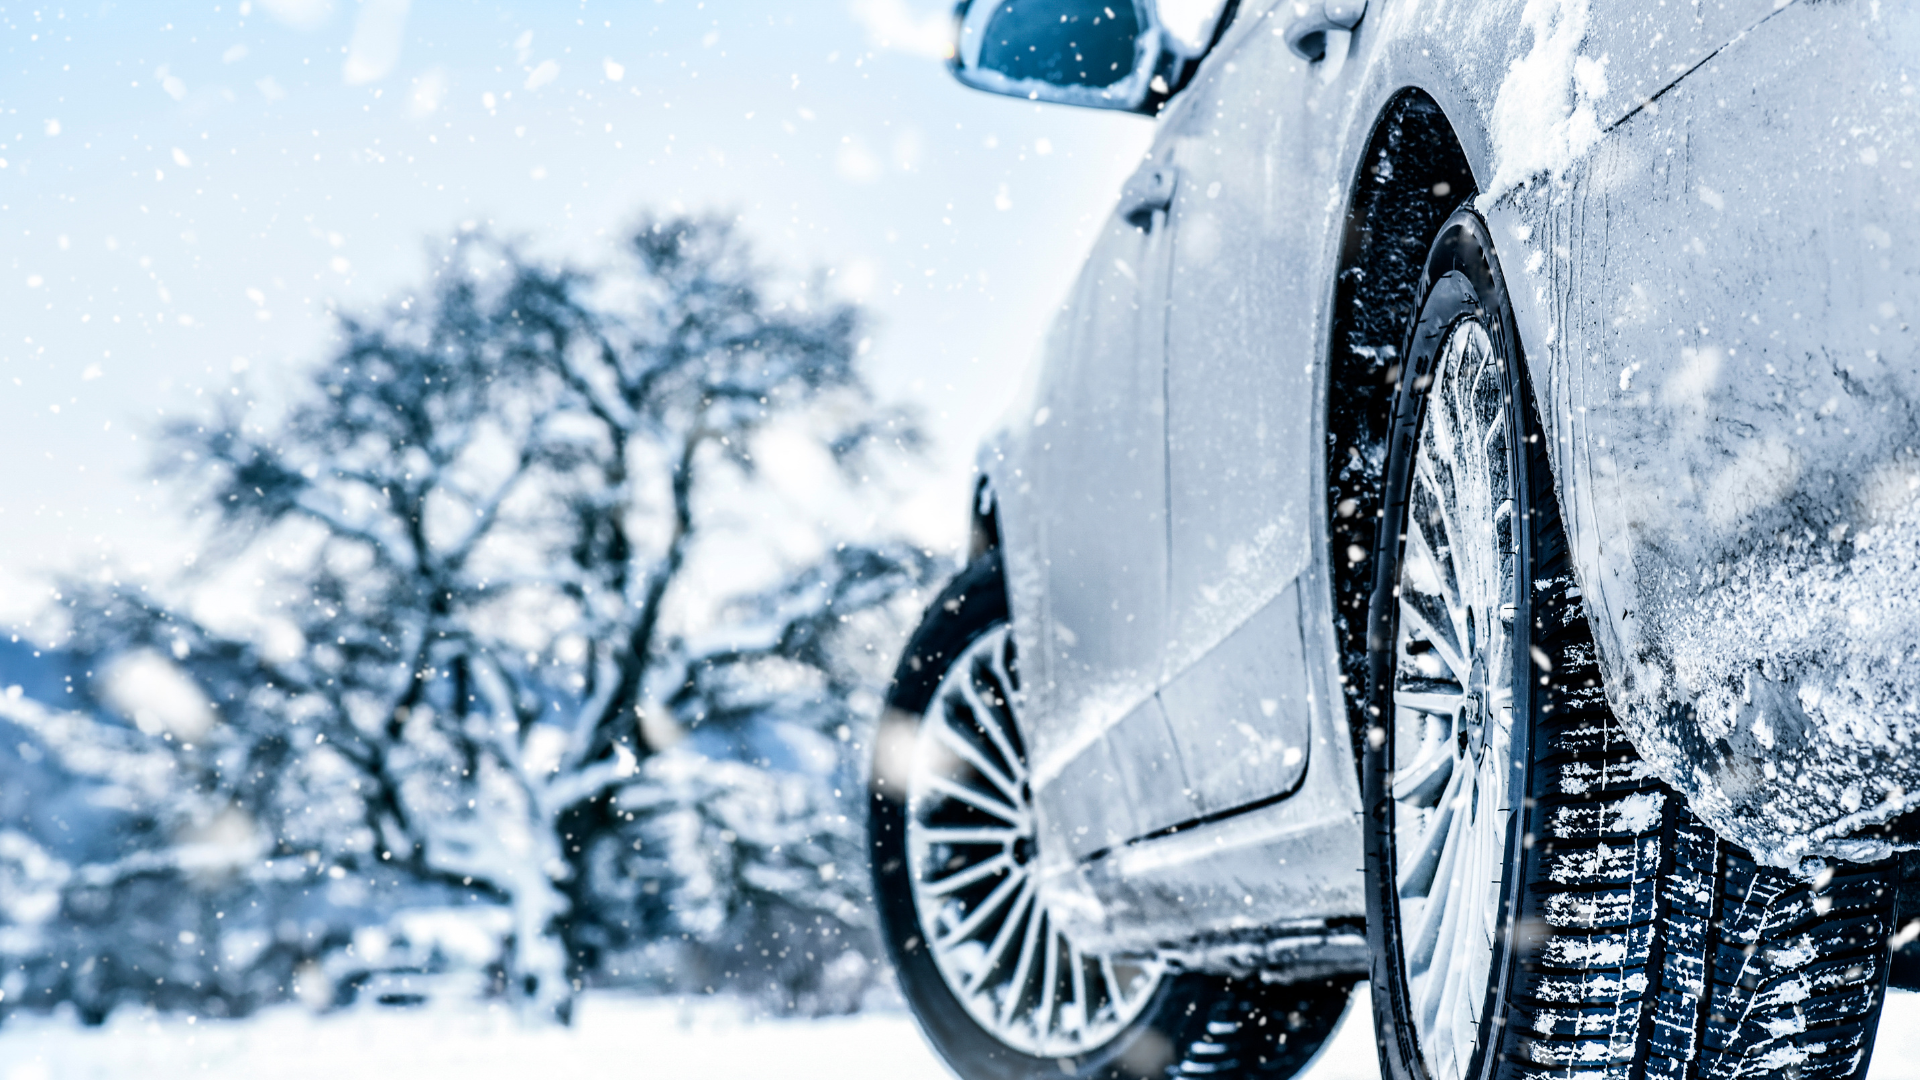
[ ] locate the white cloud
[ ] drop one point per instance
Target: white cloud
(429, 91)
(300, 14)
(542, 75)
(171, 83)
(908, 149)
(858, 279)
(377, 36)
(893, 24)
(855, 162)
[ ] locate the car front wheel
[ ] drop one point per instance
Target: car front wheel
(1539, 903)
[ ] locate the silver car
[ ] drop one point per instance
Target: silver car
(1462, 533)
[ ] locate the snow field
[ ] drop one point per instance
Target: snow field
(641, 1037)
(614, 1035)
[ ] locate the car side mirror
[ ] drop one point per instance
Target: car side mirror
(1101, 54)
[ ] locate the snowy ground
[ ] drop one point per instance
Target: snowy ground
(645, 1037)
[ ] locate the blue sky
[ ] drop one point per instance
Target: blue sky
(189, 189)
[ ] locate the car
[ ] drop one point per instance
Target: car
(1461, 533)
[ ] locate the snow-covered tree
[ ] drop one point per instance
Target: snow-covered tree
(477, 604)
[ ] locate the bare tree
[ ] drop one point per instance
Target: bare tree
(469, 537)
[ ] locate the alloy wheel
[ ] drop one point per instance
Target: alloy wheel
(1452, 697)
(972, 870)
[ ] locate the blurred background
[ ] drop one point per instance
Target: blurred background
(471, 466)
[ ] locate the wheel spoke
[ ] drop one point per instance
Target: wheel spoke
(1422, 784)
(1422, 860)
(1423, 939)
(1005, 683)
(1077, 964)
(1443, 643)
(1441, 508)
(1439, 700)
(971, 754)
(979, 800)
(1023, 968)
(942, 834)
(1016, 918)
(1423, 557)
(994, 902)
(1049, 980)
(1496, 431)
(1456, 911)
(1109, 985)
(989, 718)
(1420, 780)
(979, 871)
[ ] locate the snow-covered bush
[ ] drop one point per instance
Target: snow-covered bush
(762, 875)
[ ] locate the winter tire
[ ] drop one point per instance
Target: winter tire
(1539, 903)
(998, 990)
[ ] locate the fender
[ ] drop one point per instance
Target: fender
(1718, 308)
(1719, 348)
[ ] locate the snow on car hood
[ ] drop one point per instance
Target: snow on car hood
(1545, 116)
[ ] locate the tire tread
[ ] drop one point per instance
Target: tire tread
(1649, 948)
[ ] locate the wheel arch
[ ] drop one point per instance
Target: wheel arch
(1413, 173)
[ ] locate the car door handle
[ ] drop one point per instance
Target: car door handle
(1148, 191)
(1307, 33)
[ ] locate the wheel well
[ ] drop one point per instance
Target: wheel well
(1412, 176)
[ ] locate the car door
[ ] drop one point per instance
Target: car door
(1240, 361)
(1104, 766)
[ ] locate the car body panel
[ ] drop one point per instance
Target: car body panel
(1240, 348)
(1733, 378)
(1241, 450)
(1241, 717)
(1090, 559)
(1093, 454)
(1126, 784)
(1649, 221)
(1252, 591)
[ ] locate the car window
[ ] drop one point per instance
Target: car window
(1057, 43)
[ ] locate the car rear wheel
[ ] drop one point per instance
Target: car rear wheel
(1540, 903)
(997, 987)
